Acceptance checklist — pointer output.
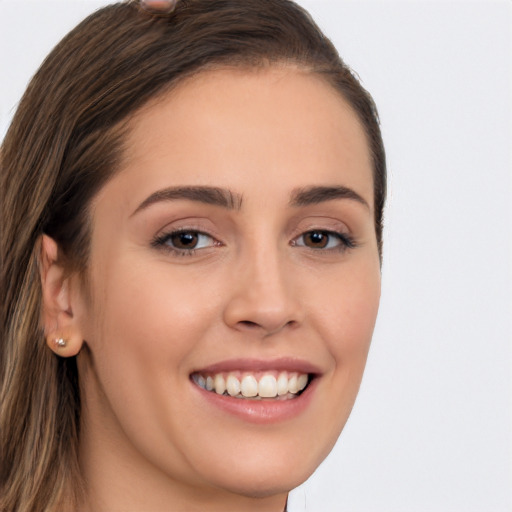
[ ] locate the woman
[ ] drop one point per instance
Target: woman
(192, 221)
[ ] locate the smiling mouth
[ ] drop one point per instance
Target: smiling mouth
(273, 385)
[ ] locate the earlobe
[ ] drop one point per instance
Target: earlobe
(64, 345)
(62, 333)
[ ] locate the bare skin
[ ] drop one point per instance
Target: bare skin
(158, 6)
(280, 269)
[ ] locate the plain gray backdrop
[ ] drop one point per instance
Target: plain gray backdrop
(432, 427)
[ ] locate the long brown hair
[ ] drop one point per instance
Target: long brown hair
(64, 143)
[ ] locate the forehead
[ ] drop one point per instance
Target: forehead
(231, 127)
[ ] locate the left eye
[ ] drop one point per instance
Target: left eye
(322, 240)
(187, 240)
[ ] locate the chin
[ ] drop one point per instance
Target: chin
(262, 485)
(267, 470)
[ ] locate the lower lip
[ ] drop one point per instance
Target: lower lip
(261, 411)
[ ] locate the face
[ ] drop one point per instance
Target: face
(235, 282)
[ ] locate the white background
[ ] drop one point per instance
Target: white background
(432, 428)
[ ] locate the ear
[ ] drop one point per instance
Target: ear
(60, 327)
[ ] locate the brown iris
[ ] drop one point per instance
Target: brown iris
(316, 239)
(185, 240)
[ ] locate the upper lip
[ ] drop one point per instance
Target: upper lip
(289, 364)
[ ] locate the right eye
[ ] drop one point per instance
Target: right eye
(184, 241)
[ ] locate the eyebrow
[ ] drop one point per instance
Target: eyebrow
(315, 195)
(232, 201)
(208, 195)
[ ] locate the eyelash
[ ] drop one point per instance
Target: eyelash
(346, 241)
(161, 242)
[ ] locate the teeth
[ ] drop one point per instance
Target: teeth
(292, 384)
(269, 385)
(219, 383)
(302, 382)
(249, 386)
(201, 381)
(232, 385)
(282, 384)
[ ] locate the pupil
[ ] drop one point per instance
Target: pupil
(184, 240)
(317, 239)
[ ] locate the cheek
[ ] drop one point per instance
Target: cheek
(348, 311)
(346, 323)
(152, 311)
(145, 328)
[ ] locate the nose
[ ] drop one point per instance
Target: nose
(263, 301)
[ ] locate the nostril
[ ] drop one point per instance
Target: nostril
(248, 323)
(267, 329)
